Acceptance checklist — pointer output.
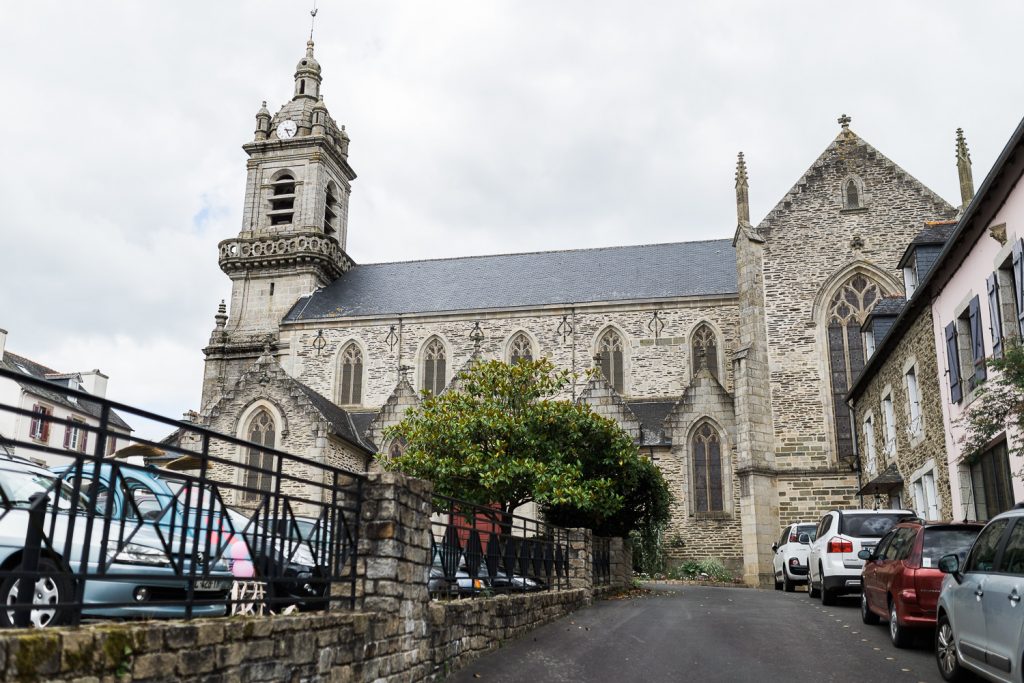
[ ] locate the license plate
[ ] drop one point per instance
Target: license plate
(208, 585)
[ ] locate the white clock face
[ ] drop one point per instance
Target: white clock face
(286, 129)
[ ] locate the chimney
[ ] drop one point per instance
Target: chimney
(95, 382)
(3, 342)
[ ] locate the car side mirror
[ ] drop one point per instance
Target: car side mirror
(775, 547)
(864, 554)
(950, 564)
(804, 539)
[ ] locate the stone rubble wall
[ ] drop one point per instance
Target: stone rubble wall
(395, 634)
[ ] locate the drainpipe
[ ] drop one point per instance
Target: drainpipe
(856, 448)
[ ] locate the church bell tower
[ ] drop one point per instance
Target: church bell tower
(294, 226)
(295, 218)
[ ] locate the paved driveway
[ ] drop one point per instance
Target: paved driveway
(694, 633)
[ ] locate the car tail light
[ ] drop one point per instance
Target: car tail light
(840, 545)
(794, 562)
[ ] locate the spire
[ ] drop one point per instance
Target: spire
(963, 167)
(262, 122)
(742, 197)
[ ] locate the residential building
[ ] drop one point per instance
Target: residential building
(54, 403)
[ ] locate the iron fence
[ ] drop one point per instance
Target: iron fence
(602, 560)
(479, 550)
(222, 525)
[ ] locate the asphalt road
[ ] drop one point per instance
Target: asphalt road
(696, 633)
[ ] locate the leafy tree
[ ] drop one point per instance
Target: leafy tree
(500, 437)
(999, 405)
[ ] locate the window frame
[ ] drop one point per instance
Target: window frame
(716, 435)
(39, 427)
(870, 453)
(914, 412)
(354, 389)
(75, 437)
(889, 425)
(611, 370)
(439, 379)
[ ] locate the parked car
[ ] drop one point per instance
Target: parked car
(461, 584)
(901, 576)
(140, 575)
(833, 565)
(791, 552)
(980, 616)
(159, 500)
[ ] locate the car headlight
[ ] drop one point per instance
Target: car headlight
(133, 553)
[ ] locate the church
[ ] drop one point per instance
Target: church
(728, 360)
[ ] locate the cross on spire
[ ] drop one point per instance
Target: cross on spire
(844, 121)
(312, 21)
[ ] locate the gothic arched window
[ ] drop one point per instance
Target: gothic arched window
(259, 465)
(852, 195)
(846, 313)
(282, 199)
(434, 366)
(707, 470)
(351, 387)
(520, 349)
(612, 357)
(331, 210)
(705, 349)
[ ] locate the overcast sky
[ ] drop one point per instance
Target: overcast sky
(477, 127)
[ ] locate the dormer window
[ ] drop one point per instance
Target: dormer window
(282, 199)
(331, 211)
(910, 280)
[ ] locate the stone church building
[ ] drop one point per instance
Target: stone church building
(728, 359)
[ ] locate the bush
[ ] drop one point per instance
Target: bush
(648, 550)
(708, 570)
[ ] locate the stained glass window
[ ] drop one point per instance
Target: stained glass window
(610, 350)
(434, 367)
(707, 470)
(259, 464)
(351, 389)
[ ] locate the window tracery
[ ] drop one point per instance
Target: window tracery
(521, 349)
(610, 350)
(434, 366)
(261, 430)
(351, 388)
(707, 470)
(705, 349)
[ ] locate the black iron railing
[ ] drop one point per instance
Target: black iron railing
(479, 550)
(602, 559)
(219, 524)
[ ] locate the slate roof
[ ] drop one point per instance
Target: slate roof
(652, 416)
(362, 423)
(649, 271)
(339, 418)
(889, 479)
(890, 305)
(935, 232)
(24, 366)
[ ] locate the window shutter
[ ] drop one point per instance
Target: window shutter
(993, 312)
(67, 436)
(977, 341)
(953, 360)
(45, 438)
(1018, 282)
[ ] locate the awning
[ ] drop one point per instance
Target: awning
(886, 482)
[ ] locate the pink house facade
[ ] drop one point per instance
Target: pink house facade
(977, 302)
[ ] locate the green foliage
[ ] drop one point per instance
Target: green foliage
(500, 436)
(999, 403)
(648, 549)
(708, 570)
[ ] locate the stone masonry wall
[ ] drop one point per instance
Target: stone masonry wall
(912, 452)
(654, 368)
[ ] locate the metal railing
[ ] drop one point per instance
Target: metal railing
(235, 526)
(602, 559)
(479, 550)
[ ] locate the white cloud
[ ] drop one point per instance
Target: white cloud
(476, 127)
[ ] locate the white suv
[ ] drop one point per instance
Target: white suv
(834, 568)
(980, 615)
(790, 561)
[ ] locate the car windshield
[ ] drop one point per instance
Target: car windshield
(946, 541)
(869, 525)
(19, 485)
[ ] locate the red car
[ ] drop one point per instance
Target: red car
(901, 578)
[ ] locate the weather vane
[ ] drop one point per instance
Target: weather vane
(312, 22)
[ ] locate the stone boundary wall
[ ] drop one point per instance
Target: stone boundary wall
(396, 634)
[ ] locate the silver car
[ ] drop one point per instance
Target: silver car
(980, 623)
(138, 579)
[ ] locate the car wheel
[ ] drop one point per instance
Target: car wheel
(778, 584)
(788, 584)
(812, 592)
(828, 597)
(866, 615)
(52, 591)
(945, 651)
(899, 635)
